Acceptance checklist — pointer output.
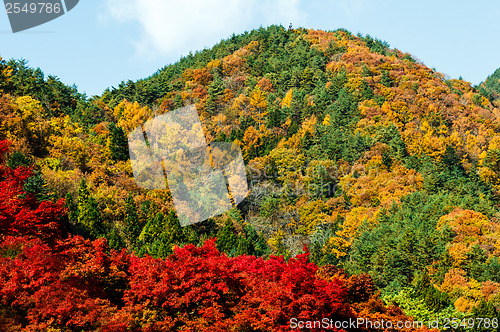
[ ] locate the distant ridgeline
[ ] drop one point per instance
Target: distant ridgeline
(385, 170)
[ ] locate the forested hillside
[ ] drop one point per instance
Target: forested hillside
(373, 193)
(491, 86)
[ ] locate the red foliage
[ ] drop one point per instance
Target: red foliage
(20, 213)
(47, 282)
(72, 285)
(204, 290)
(79, 285)
(4, 148)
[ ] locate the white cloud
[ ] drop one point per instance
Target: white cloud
(173, 28)
(351, 8)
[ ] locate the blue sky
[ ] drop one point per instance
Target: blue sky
(102, 42)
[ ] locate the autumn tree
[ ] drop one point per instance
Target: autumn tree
(88, 216)
(118, 143)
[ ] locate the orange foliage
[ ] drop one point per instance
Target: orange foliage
(471, 228)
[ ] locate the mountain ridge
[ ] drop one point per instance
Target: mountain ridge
(377, 164)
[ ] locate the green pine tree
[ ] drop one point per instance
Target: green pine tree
(226, 238)
(243, 246)
(132, 228)
(174, 230)
(386, 80)
(114, 239)
(152, 229)
(215, 90)
(118, 143)
(72, 208)
(89, 216)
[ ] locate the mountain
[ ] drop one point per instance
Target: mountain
(370, 173)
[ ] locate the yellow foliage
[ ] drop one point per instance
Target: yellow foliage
(287, 101)
(5, 74)
(251, 142)
(289, 163)
(295, 141)
(276, 240)
(489, 176)
(320, 39)
(29, 108)
(258, 104)
(374, 182)
(482, 157)
(473, 147)
(216, 63)
(458, 251)
(494, 143)
(398, 111)
(327, 120)
(228, 95)
(344, 237)
(455, 282)
(371, 187)
(131, 115)
(312, 214)
(369, 108)
(73, 147)
(463, 304)
(235, 62)
(471, 228)
(23, 121)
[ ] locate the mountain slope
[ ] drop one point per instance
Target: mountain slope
(374, 161)
(491, 85)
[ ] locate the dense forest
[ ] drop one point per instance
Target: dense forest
(491, 87)
(374, 193)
